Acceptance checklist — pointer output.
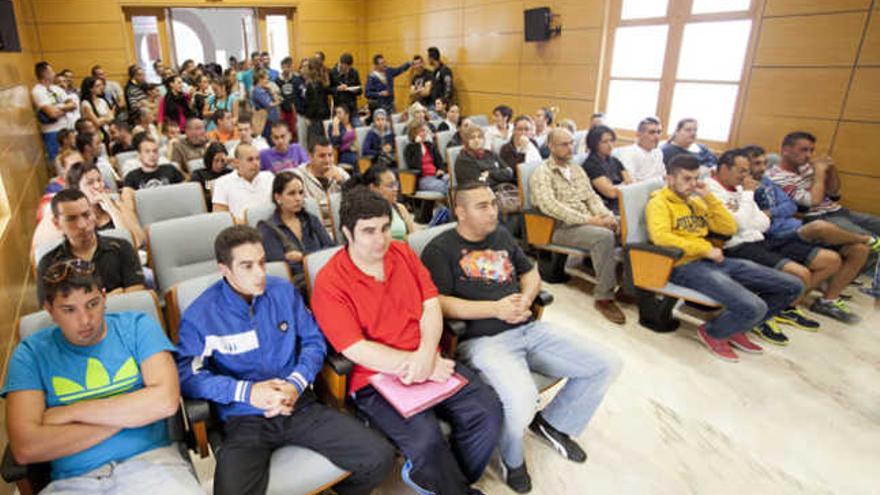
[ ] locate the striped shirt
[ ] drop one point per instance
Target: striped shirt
(797, 187)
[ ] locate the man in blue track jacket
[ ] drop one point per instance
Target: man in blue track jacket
(250, 345)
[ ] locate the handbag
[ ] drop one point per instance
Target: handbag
(507, 196)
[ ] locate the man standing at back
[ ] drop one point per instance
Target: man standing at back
(53, 108)
(249, 345)
(560, 188)
(90, 394)
(380, 84)
(378, 306)
(345, 85)
(680, 216)
(485, 279)
(643, 159)
(442, 86)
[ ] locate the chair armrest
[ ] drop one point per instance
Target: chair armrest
(409, 180)
(647, 266)
(340, 364)
(198, 413)
(670, 252)
(11, 470)
(717, 240)
(539, 227)
(196, 410)
(544, 298)
(456, 327)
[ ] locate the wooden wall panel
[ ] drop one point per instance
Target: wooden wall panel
(859, 192)
(815, 40)
(855, 149)
(863, 102)
(798, 92)
(870, 54)
(767, 131)
(795, 7)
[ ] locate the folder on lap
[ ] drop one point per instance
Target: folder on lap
(410, 400)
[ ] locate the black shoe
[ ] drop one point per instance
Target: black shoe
(475, 491)
(769, 332)
(517, 479)
(794, 317)
(558, 440)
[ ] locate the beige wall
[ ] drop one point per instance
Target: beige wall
(483, 42)
(817, 68)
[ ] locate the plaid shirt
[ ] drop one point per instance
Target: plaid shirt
(571, 200)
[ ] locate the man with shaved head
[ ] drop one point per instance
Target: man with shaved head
(246, 187)
(560, 189)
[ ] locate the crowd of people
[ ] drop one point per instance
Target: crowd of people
(252, 345)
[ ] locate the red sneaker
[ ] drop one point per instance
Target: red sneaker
(741, 341)
(719, 348)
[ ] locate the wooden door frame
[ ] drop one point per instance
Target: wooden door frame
(162, 27)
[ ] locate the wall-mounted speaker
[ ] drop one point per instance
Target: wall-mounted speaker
(8, 30)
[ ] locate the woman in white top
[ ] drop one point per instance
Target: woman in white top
(501, 131)
(452, 120)
(94, 107)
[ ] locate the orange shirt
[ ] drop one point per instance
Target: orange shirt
(222, 137)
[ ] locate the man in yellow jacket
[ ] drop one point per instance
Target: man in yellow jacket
(681, 215)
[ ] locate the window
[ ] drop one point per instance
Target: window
(677, 59)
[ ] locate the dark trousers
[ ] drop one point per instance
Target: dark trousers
(435, 465)
(243, 461)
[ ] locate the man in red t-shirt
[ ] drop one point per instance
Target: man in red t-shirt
(377, 305)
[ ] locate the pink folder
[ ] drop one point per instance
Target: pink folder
(410, 400)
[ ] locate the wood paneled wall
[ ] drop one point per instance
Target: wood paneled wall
(817, 68)
(483, 43)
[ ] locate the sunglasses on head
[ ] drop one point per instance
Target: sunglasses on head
(60, 271)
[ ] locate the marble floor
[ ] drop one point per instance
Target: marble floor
(803, 419)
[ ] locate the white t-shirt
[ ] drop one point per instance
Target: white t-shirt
(238, 194)
(53, 95)
(640, 163)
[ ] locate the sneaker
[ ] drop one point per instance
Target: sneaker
(796, 318)
(769, 332)
(563, 443)
(610, 311)
(741, 341)
(836, 309)
(719, 348)
(517, 479)
(874, 244)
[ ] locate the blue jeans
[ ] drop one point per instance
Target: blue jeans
(434, 183)
(159, 470)
(505, 361)
(50, 140)
(749, 292)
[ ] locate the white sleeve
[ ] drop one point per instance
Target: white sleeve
(41, 96)
(220, 195)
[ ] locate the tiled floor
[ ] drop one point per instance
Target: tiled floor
(799, 419)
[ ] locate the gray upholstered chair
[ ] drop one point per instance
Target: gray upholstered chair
(443, 138)
(479, 120)
(183, 248)
(166, 202)
(647, 266)
(42, 249)
(254, 214)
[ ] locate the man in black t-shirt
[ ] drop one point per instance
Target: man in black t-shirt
(420, 85)
(151, 173)
(442, 86)
(485, 278)
(115, 260)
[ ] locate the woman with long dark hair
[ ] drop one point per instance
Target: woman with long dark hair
(606, 172)
(175, 106)
(94, 107)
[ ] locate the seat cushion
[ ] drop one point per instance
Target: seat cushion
(300, 471)
(679, 292)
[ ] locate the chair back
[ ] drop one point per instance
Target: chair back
(443, 138)
(335, 202)
(452, 156)
(230, 147)
(418, 241)
(580, 141)
(195, 164)
(156, 204)
(314, 262)
(325, 124)
(125, 156)
(108, 175)
(633, 200)
(254, 214)
(189, 290)
(400, 128)
(479, 120)
(127, 165)
(360, 134)
(525, 171)
(117, 233)
(183, 248)
(400, 143)
(143, 301)
(579, 158)
(396, 117)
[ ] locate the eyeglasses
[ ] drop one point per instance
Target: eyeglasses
(60, 271)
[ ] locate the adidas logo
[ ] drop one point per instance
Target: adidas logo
(98, 383)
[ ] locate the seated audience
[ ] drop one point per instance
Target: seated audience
(438, 109)
(120, 137)
(380, 84)
(501, 129)
(560, 188)
(815, 186)
(342, 136)
(246, 186)
(854, 249)
(422, 156)
(135, 89)
(115, 260)
(734, 186)
(420, 82)
(484, 278)
(604, 170)
(224, 127)
(216, 166)
(681, 215)
(283, 155)
(597, 119)
(63, 408)
(378, 306)
(292, 232)
(379, 143)
(192, 146)
(111, 211)
(477, 164)
(457, 137)
(382, 180)
(261, 382)
(144, 121)
(451, 118)
(543, 123)
(419, 113)
(521, 148)
(150, 173)
(643, 160)
(63, 162)
(684, 141)
(246, 135)
(264, 98)
(66, 140)
(321, 177)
